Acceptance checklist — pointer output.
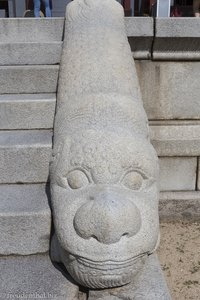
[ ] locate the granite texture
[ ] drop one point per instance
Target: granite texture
(34, 277)
(27, 111)
(24, 156)
(178, 173)
(140, 32)
(170, 90)
(176, 140)
(28, 79)
(23, 30)
(179, 206)
(30, 53)
(176, 39)
(25, 219)
(104, 170)
(198, 175)
(149, 285)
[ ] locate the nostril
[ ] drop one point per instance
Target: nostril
(125, 234)
(94, 237)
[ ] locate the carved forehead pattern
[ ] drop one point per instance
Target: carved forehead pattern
(105, 157)
(120, 114)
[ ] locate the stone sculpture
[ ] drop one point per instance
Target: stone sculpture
(104, 171)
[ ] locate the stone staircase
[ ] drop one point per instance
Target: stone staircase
(30, 52)
(29, 63)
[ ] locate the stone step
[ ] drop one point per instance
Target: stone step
(23, 30)
(28, 79)
(30, 53)
(27, 111)
(25, 219)
(34, 277)
(176, 140)
(24, 156)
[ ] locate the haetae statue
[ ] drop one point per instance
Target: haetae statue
(104, 171)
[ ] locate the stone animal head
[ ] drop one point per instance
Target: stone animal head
(105, 202)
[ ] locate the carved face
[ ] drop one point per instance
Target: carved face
(105, 205)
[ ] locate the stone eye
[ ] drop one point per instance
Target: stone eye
(77, 179)
(133, 180)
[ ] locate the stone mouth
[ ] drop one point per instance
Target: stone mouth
(110, 264)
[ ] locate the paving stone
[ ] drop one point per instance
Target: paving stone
(23, 30)
(34, 277)
(165, 91)
(176, 39)
(25, 219)
(179, 206)
(176, 140)
(30, 53)
(28, 79)
(178, 173)
(27, 111)
(24, 156)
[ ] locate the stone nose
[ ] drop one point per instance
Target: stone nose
(107, 218)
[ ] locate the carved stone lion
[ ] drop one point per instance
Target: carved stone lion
(104, 171)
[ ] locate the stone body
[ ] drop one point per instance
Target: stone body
(104, 171)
